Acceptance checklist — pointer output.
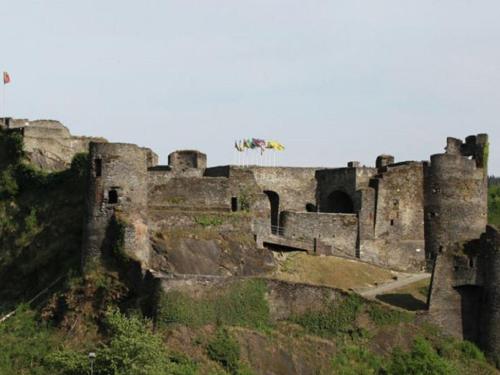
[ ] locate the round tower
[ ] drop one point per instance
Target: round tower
(456, 191)
(455, 216)
(117, 190)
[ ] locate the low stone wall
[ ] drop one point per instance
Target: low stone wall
(190, 193)
(160, 219)
(403, 255)
(285, 298)
(340, 231)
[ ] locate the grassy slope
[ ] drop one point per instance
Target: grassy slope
(330, 271)
(315, 339)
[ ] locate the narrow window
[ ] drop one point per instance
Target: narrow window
(98, 167)
(392, 222)
(234, 204)
(112, 196)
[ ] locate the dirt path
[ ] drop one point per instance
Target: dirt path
(381, 289)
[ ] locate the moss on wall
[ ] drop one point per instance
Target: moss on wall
(241, 304)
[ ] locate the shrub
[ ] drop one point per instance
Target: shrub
(11, 148)
(24, 343)
(355, 360)
(246, 200)
(41, 217)
(80, 164)
(464, 354)
(30, 230)
(469, 351)
(131, 350)
(421, 360)
(494, 205)
(243, 303)
(384, 316)
(225, 350)
(8, 184)
(332, 320)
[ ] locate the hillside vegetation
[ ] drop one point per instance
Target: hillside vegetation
(229, 332)
(494, 205)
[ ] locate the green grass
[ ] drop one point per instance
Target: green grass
(494, 205)
(424, 357)
(335, 319)
(243, 304)
(208, 220)
(356, 360)
(25, 343)
(225, 350)
(131, 348)
(383, 316)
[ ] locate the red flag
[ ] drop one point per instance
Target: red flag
(6, 78)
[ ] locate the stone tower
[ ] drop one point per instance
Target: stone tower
(184, 159)
(455, 218)
(117, 190)
(456, 194)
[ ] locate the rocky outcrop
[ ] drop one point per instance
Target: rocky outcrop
(48, 144)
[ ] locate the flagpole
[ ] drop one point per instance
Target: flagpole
(4, 82)
(4, 111)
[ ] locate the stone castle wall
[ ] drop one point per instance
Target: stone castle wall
(397, 217)
(48, 144)
(348, 180)
(191, 193)
(336, 230)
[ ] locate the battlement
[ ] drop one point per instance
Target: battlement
(475, 147)
(184, 159)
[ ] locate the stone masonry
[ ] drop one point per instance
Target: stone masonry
(188, 219)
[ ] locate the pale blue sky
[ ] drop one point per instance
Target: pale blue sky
(333, 80)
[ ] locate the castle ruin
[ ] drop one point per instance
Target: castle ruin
(410, 216)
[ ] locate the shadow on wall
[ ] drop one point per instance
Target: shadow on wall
(403, 300)
(339, 202)
(470, 297)
(274, 201)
